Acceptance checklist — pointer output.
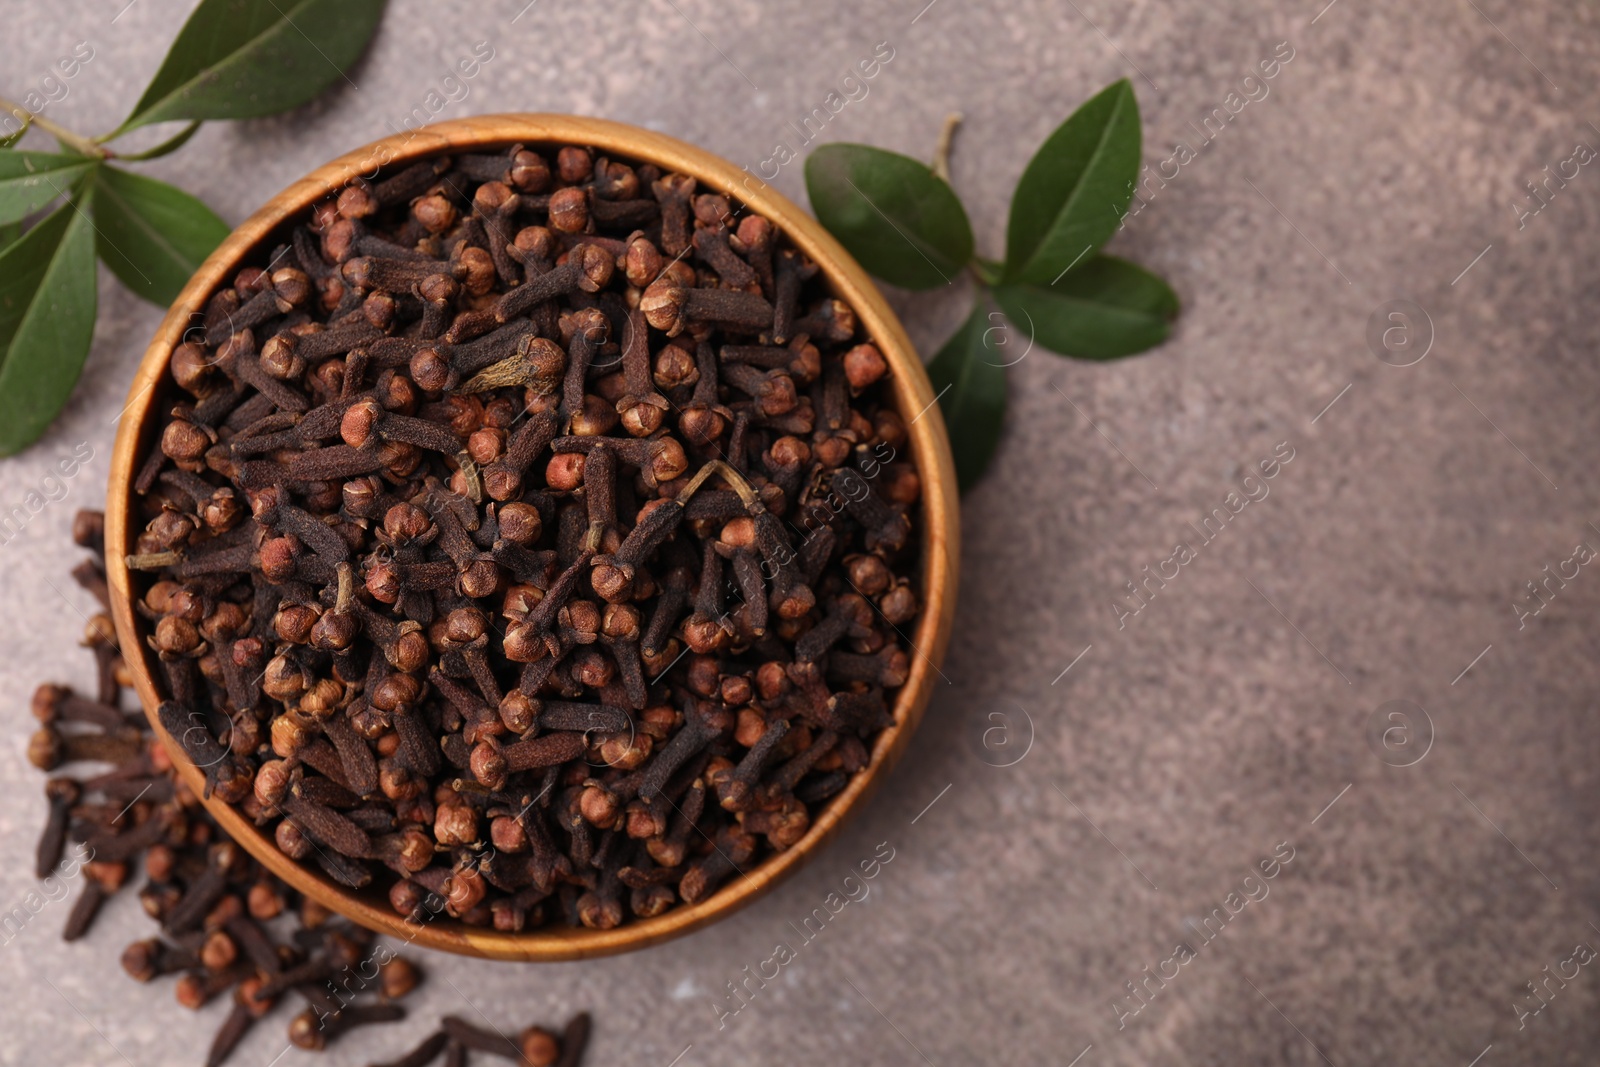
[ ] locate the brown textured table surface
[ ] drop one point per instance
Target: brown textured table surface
(1159, 757)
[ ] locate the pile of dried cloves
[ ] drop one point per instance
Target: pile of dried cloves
(228, 927)
(533, 533)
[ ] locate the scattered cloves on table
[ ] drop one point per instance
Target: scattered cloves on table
(537, 520)
(229, 929)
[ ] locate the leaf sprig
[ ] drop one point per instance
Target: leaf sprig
(233, 59)
(904, 223)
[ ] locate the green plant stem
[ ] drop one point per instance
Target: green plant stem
(986, 271)
(170, 145)
(941, 151)
(81, 145)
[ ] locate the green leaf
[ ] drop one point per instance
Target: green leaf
(237, 59)
(969, 378)
(10, 140)
(900, 221)
(30, 180)
(152, 235)
(1076, 188)
(9, 234)
(47, 305)
(1102, 309)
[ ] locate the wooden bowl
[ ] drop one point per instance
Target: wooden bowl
(930, 450)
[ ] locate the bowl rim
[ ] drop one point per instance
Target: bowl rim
(913, 392)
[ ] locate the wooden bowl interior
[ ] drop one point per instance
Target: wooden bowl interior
(930, 451)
